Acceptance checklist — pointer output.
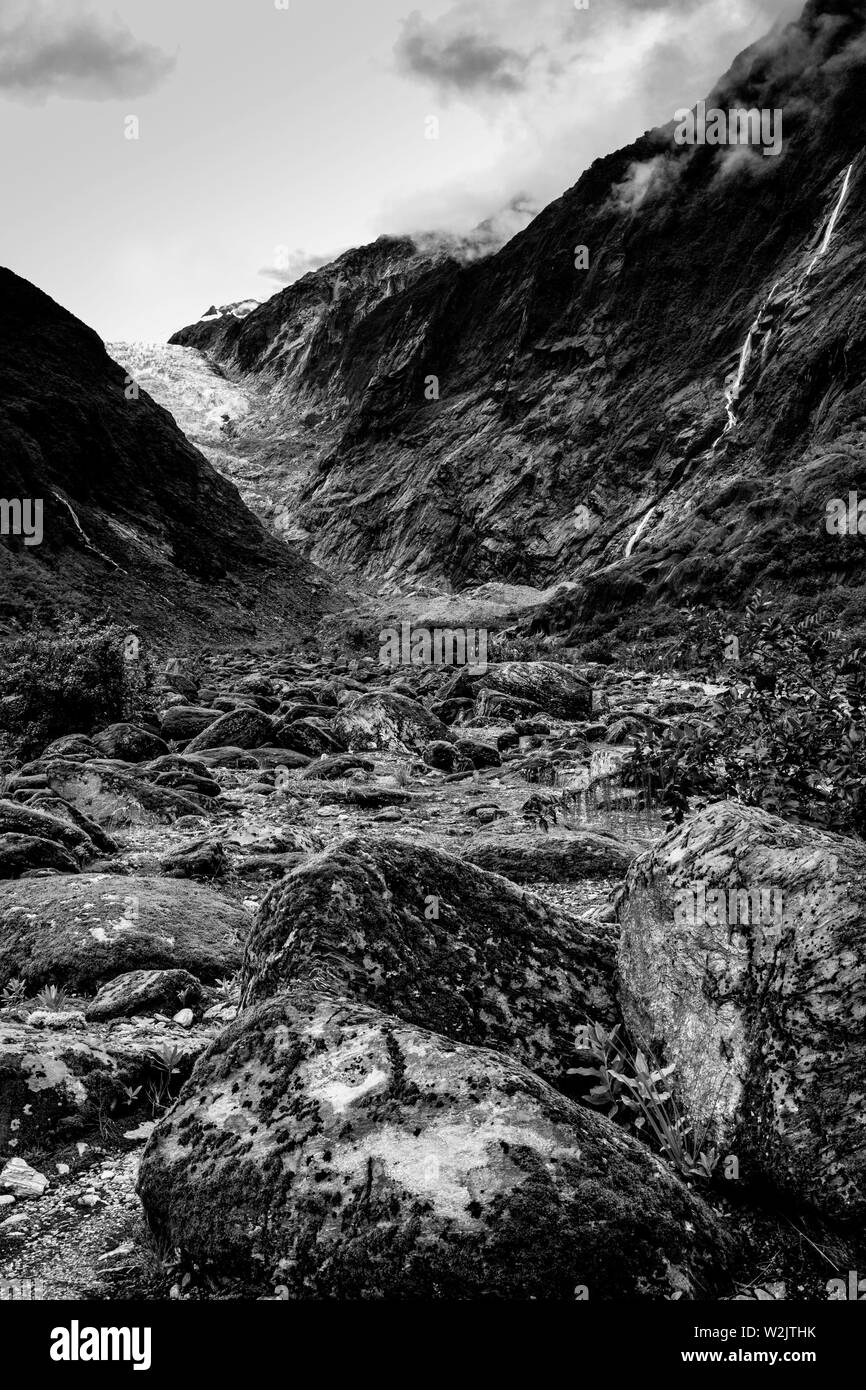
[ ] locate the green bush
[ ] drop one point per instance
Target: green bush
(787, 733)
(81, 677)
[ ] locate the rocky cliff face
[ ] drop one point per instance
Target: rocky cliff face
(133, 517)
(667, 423)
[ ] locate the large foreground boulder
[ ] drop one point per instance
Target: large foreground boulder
(388, 722)
(325, 1147)
(743, 960)
(438, 942)
(81, 931)
(552, 687)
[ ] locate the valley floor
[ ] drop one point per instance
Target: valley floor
(549, 813)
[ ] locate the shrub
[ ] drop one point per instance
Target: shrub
(511, 645)
(82, 676)
(788, 732)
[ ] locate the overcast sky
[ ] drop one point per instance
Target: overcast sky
(271, 138)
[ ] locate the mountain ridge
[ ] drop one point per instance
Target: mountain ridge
(557, 430)
(136, 521)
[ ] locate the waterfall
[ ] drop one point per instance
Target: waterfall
(87, 544)
(732, 394)
(831, 227)
(642, 525)
(761, 331)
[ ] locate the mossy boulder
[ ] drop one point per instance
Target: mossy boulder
(60, 1081)
(111, 795)
(129, 743)
(551, 686)
(437, 942)
(387, 721)
(143, 992)
(246, 727)
(743, 961)
(325, 1147)
(84, 930)
(526, 858)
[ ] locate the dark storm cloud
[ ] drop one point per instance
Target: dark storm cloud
(460, 61)
(47, 51)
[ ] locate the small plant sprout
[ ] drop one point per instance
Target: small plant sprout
(52, 998)
(14, 992)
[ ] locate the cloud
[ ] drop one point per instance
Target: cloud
(644, 179)
(290, 266)
(47, 51)
(456, 59)
(587, 82)
(483, 240)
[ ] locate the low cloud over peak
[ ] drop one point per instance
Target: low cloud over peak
(46, 49)
(461, 60)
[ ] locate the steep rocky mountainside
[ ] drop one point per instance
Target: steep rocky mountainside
(265, 453)
(135, 519)
(578, 405)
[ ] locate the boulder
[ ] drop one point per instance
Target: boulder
(71, 746)
(479, 754)
(495, 705)
(21, 1180)
(238, 758)
(115, 797)
(172, 762)
(142, 992)
(310, 735)
(326, 1147)
(129, 743)
(294, 710)
(743, 961)
(58, 1082)
(188, 782)
(438, 942)
(454, 710)
(56, 806)
(556, 689)
(445, 757)
(21, 854)
(204, 858)
(18, 819)
(272, 758)
(328, 769)
(81, 931)
(178, 676)
(183, 722)
(526, 858)
(239, 728)
(389, 722)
